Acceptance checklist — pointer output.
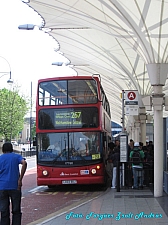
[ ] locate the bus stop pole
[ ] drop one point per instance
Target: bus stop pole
(118, 176)
(123, 174)
(123, 114)
(123, 131)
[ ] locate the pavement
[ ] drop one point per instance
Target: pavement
(127, 207)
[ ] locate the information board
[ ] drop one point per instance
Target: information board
(123, 148)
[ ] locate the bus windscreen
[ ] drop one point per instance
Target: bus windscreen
(74, 146)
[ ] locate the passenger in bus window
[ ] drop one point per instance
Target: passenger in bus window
(55, 148)
(82, 148)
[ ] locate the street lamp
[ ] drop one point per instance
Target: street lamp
(26, 27)
(30, 118)
(10, 81)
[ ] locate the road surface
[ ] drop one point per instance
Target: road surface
(41, 202)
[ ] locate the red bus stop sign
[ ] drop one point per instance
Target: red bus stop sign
(131, 95)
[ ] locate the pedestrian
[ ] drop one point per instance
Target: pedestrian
(136, 157)
(130, 147)
(129, 175)
(10, 184)
(146, 166)
(116, 159)
(109, 163)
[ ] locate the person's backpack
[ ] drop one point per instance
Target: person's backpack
(136, 157)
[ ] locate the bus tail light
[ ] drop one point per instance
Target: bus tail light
(45, 172)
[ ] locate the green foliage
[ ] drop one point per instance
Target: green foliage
(13, 108)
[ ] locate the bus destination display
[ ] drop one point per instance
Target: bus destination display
(68, 118)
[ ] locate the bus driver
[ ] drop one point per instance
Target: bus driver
(55, 148)
(82, 149)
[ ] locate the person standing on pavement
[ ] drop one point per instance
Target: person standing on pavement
(109, 163)
(137, 157)
(116, 159)
(10, 184)
(130, 147)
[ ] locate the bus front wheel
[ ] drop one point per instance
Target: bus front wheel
(52, 186)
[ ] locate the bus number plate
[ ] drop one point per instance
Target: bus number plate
(69, 182)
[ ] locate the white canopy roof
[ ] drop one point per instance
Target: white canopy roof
(113, 38)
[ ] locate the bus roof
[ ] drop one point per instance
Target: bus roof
(95, 76)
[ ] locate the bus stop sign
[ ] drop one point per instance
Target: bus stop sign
(131, 97)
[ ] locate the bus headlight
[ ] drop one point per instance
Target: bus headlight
(93, 171)
(45, 172)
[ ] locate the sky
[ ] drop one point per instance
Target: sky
(28, 54)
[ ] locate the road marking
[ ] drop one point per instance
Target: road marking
(34, 190)
(61, 212)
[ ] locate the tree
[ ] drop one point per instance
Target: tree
(13, 108)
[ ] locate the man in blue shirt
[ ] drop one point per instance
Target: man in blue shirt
(10, 184)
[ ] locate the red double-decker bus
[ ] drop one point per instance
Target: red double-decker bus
(73, 128)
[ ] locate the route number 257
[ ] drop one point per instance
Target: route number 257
(75, 115)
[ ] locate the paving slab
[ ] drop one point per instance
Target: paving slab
(127, 207)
